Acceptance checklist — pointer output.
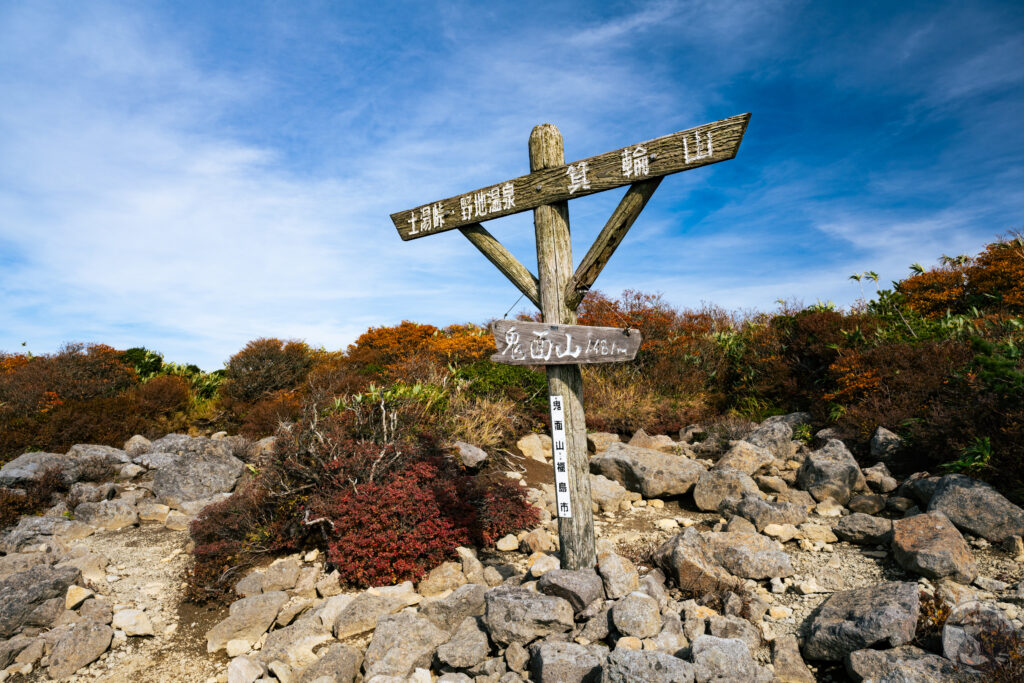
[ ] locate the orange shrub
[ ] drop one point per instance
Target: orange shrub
(936, 291)
(380, 351)
(996, 277)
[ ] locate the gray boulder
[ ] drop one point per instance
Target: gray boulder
(156, 460)
(651, 473)
(880, 479)
(363, 612)
(634, 666)
(725, 660)
(469, 455)
(789, 665)
(105, 454)
(884, 614)
(35, 530)
(448, 612)
(25, 591)
(196, 477)
(976, 507)
(711, 562)
(340, 663)
(78, 647)
(716, 485)
(566, 663)
(929, 544)
(248, 619)
(107, 514)
(468, 645)
(764, 512)
(976, 633)
(608, 494)
(884, 444)
(618, 574)
(30, 467)
(919, 487)
(831, 472)
(774, 437)
(580, 587)
(725, 626)
(638, 615)
(401, 643)
(745, 457)
(864, 529)
(871, 664)
(518, 615)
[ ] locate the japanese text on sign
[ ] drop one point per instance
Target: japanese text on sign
(558, 455)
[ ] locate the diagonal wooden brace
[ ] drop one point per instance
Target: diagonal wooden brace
(611, 235)
(502, 258)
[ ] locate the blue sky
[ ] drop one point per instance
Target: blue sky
(189, 176)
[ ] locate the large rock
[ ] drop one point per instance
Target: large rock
(580, 587)
(831, 472)
(447, 576)
(874, 665)
(864, 529)
(775, 437)
(637, 615)
(535, 446)
(108, 455)
(401, 643)
(930, 545)
(197, 476)
(884, 614)
(23, 592)
(362, 614)
(566, 663)
(448, 612)
(975, 633)
(618, 574)
(726, 626)
(471, 456)
(608, 494)
(634, 666)
(155, 461)
(884, 444)
(976, 507)
(716, 485)
(467, 647)
(30, 467)
(788, 663)
(599, 441)
(79, 647)
(711, 562)
(518, 615)
(340, 663)
(745, 457)
(651, 473)
(35, 530)
(295, 644)
(248, 619)
(763, 512)
(107, 514)
(725, 660)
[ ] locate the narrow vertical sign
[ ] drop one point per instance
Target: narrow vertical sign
(559, 458)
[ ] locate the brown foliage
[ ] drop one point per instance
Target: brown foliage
(265, 366)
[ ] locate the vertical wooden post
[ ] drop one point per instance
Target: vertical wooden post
(554, 265)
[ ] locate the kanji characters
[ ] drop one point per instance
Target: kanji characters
(698, 153)
(508, 196)
(466, 204)
(578, 177)
(634, 162)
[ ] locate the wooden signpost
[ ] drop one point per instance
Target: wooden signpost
(557, 342)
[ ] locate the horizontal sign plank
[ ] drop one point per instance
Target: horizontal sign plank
(700, 146)
(522, 343)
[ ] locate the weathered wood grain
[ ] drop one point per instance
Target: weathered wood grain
(682, 151)
(608, 240)
(554, 267)
(526, 343)
(525, 281)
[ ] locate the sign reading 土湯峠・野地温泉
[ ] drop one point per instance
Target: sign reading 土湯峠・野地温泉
(700, 146)
(526, 343)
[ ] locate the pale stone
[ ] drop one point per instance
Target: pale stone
(76, 595)
(507, 544)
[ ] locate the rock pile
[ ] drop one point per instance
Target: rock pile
(754, 559)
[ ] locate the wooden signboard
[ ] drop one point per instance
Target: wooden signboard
(525, 343)
(707, 144)
(557, 342)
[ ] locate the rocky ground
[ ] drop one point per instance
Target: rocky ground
(755, 558)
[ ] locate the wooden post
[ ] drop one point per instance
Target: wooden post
(554, 265)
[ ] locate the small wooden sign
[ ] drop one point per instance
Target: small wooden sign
(700, 146)
(524, 343)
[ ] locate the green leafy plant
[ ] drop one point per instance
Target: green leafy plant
(973, 459)
(803, 432)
